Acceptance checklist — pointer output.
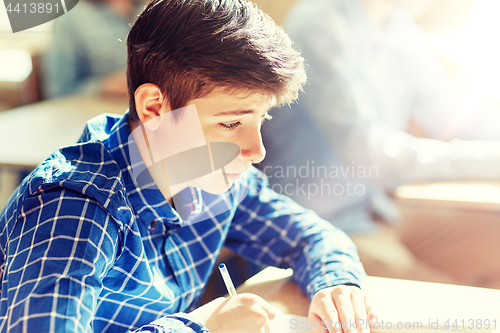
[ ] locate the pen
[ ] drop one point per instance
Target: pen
(227, 280)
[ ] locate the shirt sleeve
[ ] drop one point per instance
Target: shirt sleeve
(338, 101)
(271, 229)
(60, 248)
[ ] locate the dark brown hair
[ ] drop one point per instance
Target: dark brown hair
(190, 47)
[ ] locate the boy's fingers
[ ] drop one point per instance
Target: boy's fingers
(360, 311)
(329, 313)
(271, 311)
(268, 308)
(346, 312)
(314, 318)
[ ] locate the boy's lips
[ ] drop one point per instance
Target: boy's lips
(233, 176)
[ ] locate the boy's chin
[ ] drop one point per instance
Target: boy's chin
(213, 184)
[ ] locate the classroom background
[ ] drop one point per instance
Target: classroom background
(464, 33)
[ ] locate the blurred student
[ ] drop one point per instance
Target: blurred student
(88, 53)
(109, 235)
(344, 145)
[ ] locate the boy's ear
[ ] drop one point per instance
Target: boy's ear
(150, 103)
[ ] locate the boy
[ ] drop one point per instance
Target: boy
(92, 242)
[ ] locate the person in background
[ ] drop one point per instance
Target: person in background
(88, 54)
(344, 145)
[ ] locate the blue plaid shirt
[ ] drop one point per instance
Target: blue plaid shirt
(87, 250)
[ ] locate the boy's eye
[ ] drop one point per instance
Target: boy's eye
(229, 126)
(233, 125)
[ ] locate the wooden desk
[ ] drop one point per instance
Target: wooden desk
(392, 299)
(29, 134)
(457, 195)
(453, 226)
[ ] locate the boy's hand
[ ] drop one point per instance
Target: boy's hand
(242, 313)
(337, 306)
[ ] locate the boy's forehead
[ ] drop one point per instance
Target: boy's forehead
(220, 100)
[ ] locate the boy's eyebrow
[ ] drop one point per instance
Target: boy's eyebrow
(235, 113)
